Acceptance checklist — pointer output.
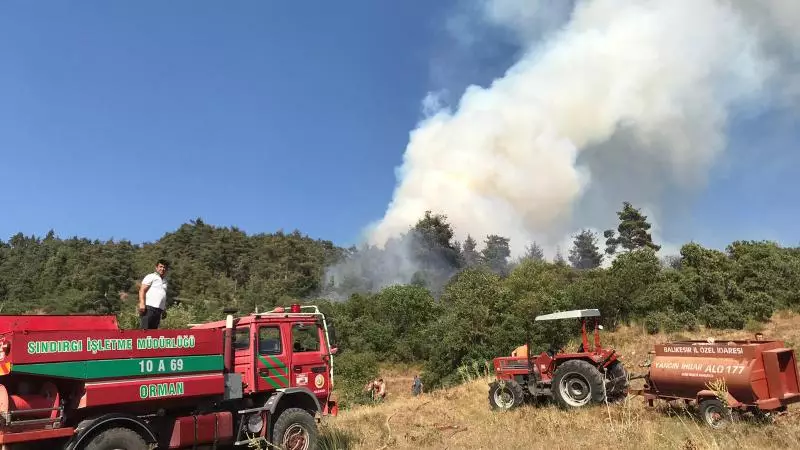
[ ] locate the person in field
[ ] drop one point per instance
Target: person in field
(153, 297)
(381, 390)
(416, 387)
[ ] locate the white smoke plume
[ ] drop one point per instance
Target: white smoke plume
(614, 96)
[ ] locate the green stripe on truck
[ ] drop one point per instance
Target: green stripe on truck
(134, 367)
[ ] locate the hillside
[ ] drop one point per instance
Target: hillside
(460, 417)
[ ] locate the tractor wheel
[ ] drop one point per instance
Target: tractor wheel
(616, 382)
(577, 383)
(714, 413)
(505, 394)
(117, 439)
(295, 429)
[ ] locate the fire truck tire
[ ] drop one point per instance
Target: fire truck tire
(577, 383)
(295, 429)
(505, 395)
(117, 439)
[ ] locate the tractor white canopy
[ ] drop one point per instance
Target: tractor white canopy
(574, 314)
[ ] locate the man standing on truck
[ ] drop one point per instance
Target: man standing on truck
(153, 297)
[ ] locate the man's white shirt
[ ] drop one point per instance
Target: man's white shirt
(156, 296)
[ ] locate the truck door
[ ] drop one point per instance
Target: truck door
(243, 355)
(308, 366)
(271, 359)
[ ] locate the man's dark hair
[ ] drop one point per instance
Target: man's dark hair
(164, 262)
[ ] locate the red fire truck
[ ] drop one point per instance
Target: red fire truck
(82, 383)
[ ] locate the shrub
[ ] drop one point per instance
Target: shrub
(724, 315)
(687, 321)
(652, 322)
(351, 372)
(759, 306)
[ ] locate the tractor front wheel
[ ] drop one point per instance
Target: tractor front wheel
(505, 394)
(616, 382)
(577, 383)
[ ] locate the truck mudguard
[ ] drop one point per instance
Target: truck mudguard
(274, 399)
(86, 428)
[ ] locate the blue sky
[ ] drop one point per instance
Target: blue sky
(125, 119)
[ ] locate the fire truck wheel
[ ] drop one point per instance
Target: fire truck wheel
(577, 383)
(117, 439)
(505, 394)
(295, 429)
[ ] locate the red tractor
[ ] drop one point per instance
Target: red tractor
(590, 375)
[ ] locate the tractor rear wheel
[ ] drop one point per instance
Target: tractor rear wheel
(577, 383)
(505, 394)
(616, 382)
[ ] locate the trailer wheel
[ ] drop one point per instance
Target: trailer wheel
(714, 413)
(577, 383)
(117, 439)
(506, 394)
(295, 429)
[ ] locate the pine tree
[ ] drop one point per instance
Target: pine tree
(534, 252)
(585, 254)
(633, 231)
(469, 253)
(496, 253)
(559, 258)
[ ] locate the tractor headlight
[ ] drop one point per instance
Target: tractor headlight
(255, 423)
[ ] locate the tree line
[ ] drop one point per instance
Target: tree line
(461, 304)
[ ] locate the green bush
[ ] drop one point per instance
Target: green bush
(352, 371)
(687, 321)
(724, 315)
(759, 306)
(652, 322)
(662, 321)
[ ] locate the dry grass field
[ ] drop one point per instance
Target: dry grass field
(460, 417)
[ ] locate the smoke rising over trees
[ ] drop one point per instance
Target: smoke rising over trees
(586, 114)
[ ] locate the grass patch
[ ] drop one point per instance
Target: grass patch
(337, 439)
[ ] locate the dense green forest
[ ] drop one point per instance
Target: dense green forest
(424, 298)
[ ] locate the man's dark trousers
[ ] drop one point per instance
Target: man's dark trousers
(151, 318)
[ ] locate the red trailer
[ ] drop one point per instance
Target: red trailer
(722, 377)
(81, 383)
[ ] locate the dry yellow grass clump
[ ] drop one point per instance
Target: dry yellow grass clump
(460, 417)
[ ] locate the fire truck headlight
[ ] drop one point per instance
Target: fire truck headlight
(255, 423)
